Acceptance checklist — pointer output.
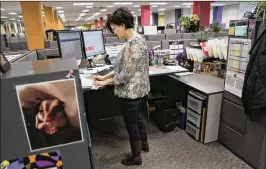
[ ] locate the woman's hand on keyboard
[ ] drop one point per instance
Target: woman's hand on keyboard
(99, 83)
(99, 78)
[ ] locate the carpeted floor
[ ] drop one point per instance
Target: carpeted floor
(172, 150)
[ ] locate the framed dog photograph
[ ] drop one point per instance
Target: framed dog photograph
(50, 113)
(4, 64)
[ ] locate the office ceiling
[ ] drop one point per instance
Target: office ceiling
(71, 12)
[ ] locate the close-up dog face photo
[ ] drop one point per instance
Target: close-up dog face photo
(50, 113)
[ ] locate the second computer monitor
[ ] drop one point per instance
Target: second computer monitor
(93, 43)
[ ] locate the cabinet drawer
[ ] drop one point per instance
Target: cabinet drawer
(231, 139)
(193, 118)
(194, 104)
(233, 115)
(193, 131)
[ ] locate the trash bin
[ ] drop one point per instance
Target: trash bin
(183, 115)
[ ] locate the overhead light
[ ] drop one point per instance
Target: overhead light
(20, 16)
(97, 13)
(58, 7)
(103, 10)
(2, 9)
(161, 13)
(3, 17)
(12, 19)
(158, 3)
(62, 15)
(177, 6)
(60, 11)
(12, 13)
(154, 6)
(82, 14)
(110, 6)
(162, 9)
(78, 18)
(136, 6)
(217, 4)
(43, 15)
(89, 6)
(19, 20)
(85, 10)
(82, 4)
(132, 12)
(187, 4)
(123, 3)
(139, 9)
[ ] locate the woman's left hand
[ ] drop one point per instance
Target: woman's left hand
(99, 83)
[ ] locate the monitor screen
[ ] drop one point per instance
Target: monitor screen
(93, 43)
(3, 59)
(70, 45)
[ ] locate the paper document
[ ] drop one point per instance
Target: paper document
(86, 82)
(176, 68)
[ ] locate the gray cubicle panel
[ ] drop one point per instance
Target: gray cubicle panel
(152, 44)
(176, 36)
(165, 43)
(156, 37)
(23, 43)
(4, 43)
(114, 39)
(187, 36)
(43, 53)
(14, 43)
(14, 138)
(196, 35)
(170, 31)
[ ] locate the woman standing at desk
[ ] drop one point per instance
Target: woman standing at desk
(131, 80)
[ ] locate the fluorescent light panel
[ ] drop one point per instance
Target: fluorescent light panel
(110, 6)
(136, 6)
(177, 6)
(58, 7)
(82, 4)
(12, 19)
(123, 3)
(85, 10)
(12, 13)
(82, 14)
(3, 17)
(162, 9)
(158, 3)
(60, 11)
(20, 16)
(2, 9)
(217, 4)
(103, 10)
(89, 6)
(187, 4)
(154, 6)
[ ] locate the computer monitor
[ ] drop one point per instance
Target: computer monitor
(69, 44)
(93, 43)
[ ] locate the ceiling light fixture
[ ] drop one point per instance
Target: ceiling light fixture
(82, 14)
(58, 7)
(43, 15)
(123, 3)
(103, 10)
(217, 4)
(60, 11)
(2, 9)
(158, 3)
(89, 6)
(154, 6)
(12, 19)
(62, 15)
(20, 16)
(162, 9)
(85, 10)
(187, 4)
(82, 4)
(132, 12)
(12, 13)
(177, 6)
(136, 6)
(3, 17)
(110, 6)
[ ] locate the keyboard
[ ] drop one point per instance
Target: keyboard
(105, 71)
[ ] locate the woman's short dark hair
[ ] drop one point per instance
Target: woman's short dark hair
(120, 16)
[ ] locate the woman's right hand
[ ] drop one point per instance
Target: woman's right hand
(99, 78)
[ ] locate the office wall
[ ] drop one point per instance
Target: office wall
(211, 15)
(161, 20)
(231, 12)
(186, 11)
(169, 17)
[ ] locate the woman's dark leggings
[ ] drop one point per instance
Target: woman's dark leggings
(131, 109)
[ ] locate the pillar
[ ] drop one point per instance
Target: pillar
(56, 20)
(33, 24)
(161, 20)
(217, 14)
(139, 20)
(49, 17)
(202, 9)
(178, 13)
(155, 19)
(96, 22)
(101, 22)
(145, 15)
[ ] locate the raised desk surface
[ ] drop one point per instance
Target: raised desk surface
(153, 71)
(206, 84)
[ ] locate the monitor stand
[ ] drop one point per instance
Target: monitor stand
(90, 65)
